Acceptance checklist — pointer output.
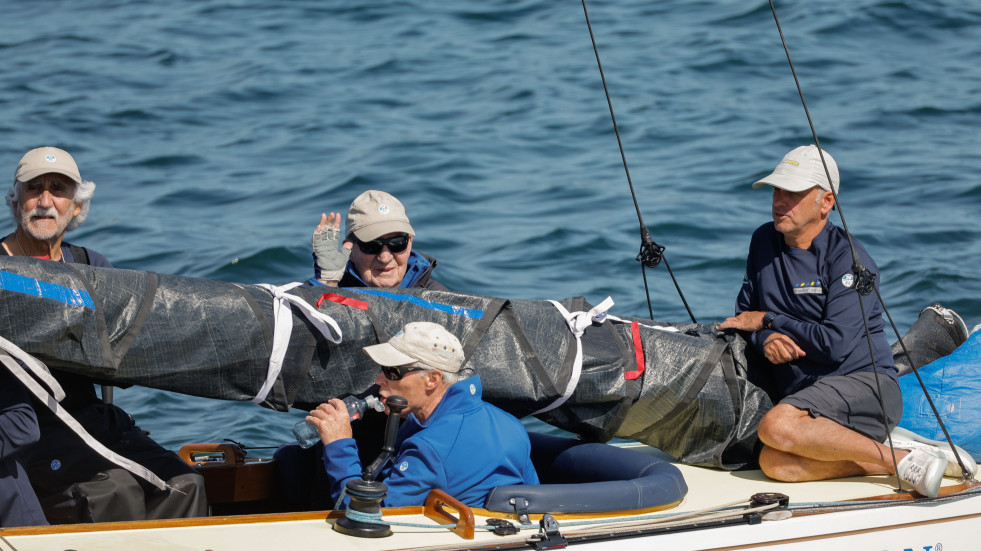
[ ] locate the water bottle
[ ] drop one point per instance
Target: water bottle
(307, 435)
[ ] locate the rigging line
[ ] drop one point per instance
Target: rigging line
(857, 266)
(651, 254)
(864, 278)
(933, 407)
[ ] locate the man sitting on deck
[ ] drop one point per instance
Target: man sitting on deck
(451, 440)
(47, 199)
(798, 303)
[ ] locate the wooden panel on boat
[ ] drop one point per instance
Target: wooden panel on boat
(250, 481)
(228, 476)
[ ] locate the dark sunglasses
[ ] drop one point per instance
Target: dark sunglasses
(395, 244)
(396, 372)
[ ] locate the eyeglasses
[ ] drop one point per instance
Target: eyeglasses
(395, 244)
(396, 372)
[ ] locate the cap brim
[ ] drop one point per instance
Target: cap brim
(782, 181)
(387, 355)
(374, 231)
(29, 175)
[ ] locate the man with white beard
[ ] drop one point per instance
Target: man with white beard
(49, 198)
(73, 483)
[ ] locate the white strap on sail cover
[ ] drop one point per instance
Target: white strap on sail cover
(578, 322)
(667, 328)
(283, 328)
(9, 351)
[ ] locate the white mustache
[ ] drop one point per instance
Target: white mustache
(40, 212)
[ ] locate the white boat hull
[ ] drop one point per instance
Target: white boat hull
(950, 523)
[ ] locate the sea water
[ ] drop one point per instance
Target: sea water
(218, 131)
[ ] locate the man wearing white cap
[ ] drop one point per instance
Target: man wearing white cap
(378, 240)
(801, 311)
(451, 440)
(48, 198)
(75, 484)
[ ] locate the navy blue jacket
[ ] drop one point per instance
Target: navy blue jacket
(18, 429)
(67, 251)
(465, 448)
(812, 293)
(95, 259)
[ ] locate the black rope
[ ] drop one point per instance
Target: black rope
(933, 407)
(651, 254)
(864, 283)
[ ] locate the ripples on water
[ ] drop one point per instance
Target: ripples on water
(218, 132)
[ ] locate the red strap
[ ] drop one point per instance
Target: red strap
(346, 301)
(638, 353)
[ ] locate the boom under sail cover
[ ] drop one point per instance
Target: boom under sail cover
(678, 387)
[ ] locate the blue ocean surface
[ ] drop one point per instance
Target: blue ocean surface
(218, 131)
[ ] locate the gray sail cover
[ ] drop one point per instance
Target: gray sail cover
(688, 397)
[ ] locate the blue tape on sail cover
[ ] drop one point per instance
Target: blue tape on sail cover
(455, 310)
(29, 286)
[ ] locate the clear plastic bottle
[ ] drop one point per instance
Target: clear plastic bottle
(307, 435)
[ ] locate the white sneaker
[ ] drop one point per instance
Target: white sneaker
(903, 439)
(923, 469)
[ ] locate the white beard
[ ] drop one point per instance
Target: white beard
(27, 220)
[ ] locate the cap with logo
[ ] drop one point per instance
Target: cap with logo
(45, 160)
(376, 213)
(420, 341)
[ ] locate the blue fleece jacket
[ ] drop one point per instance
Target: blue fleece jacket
(465, 448)
(417, 274)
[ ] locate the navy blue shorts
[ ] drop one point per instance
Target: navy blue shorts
(852, 400)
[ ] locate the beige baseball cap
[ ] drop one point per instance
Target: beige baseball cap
(375, 213)
(420, 341)
(800, 170)
(44, 160)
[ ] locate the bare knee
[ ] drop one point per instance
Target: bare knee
(781, 466)
(779, 428)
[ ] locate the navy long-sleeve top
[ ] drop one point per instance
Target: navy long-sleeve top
(813, 296)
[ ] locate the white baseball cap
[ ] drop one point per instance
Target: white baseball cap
(376, 213)
(45, 160)
(420, 341)
(801, 169)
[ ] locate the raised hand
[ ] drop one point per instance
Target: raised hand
(330, 256)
